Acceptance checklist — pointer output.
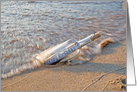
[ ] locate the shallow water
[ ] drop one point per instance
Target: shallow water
(29, 28)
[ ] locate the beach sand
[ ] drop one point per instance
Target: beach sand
(105, 72)
(124, 5)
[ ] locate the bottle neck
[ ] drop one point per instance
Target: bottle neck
(88, 39)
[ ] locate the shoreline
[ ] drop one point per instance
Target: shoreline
(95, 75)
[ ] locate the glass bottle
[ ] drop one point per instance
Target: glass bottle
(58, 52)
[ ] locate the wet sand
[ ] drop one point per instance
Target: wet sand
(105, 72)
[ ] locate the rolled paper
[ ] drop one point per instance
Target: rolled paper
(43, 56)
(60, 55)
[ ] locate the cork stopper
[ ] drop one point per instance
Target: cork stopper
(96, 35)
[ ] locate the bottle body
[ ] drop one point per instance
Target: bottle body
(72, 47)
(60, 55)
(48, 53)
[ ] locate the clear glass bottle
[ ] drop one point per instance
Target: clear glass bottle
(58, 52)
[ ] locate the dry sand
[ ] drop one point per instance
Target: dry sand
(97, 75)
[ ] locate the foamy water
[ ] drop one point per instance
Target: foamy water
(29, 28)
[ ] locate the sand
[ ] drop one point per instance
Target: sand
(105, 72)
(124, 5)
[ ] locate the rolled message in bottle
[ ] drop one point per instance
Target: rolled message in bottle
(43, 56)
(71, 48)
